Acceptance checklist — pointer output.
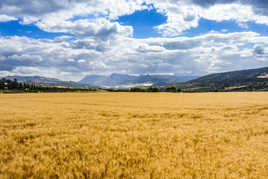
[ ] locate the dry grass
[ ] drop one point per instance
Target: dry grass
(134, 135)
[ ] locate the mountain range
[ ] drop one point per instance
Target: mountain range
(110, 81)
(122, 80)
(243, 80)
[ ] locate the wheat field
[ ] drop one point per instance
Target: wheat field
(134, 135)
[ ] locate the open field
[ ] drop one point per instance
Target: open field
(134, 135)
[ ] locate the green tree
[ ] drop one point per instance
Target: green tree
(152, 89)
(14, 84)
(2, 83)
(171, 89)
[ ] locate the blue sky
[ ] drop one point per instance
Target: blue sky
(15, 28)
(143, 23)
(64, 40)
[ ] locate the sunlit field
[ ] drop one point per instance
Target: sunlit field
(134, 135)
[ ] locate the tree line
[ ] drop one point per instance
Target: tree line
(7, 85)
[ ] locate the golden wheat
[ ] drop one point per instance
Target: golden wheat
(134, 135)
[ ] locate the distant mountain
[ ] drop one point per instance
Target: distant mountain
(115, 80)
(244, 80)
(44, 81)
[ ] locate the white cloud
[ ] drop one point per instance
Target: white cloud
(213, 52)
(183, 15)
(98, 28)
(99, 44)
(5, 18)
(54, 15)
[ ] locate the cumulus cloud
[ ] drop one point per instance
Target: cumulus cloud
(31, 11)
(71, 60)
(91, 44)
(99, 44)
(183, 15)
(54, 15)
(259, 6)
(97, 28)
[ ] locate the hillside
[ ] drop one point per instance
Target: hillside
(244, 80)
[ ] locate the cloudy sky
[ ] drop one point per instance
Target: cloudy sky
(69, 39)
